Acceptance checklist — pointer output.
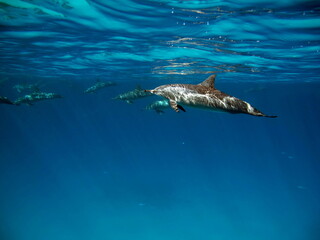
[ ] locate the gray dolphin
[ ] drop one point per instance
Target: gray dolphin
(158, 106)
(21, 87)
(29, 99)
(137, 93)
(204, 95)
(99, 85)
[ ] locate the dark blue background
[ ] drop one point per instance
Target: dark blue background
(89, 167)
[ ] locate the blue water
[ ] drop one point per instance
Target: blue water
(90, 167)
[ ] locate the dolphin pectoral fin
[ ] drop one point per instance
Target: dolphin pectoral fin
(181, 108)
(175, 106)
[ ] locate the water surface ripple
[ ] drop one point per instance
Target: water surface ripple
(257, 40)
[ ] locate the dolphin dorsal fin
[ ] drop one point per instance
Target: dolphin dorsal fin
(209, 82)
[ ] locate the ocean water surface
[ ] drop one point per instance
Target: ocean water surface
(90, 166)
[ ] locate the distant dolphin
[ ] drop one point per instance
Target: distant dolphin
(29, 99)
(159, 106)
(99, 85)
(133, 95)
(5, 100)
(23, 87)
(204, 95)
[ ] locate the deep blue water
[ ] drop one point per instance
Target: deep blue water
(90, 167)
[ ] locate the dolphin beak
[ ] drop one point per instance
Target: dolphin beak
(151, 91)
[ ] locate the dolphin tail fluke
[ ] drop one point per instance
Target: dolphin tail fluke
(5, 100)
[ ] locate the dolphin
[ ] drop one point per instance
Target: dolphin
(99, 85)
(137, 93)
(24, 87)
(204, 95)
(158, 106)
(5, 100)
(29, 99)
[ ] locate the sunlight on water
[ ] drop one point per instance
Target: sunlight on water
(80, 34)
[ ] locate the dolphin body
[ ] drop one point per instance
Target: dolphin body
(159, 106)
(29, 99)
(206, 96)
(24, 87)
(130, 96)
(5, 100)
(99, 85)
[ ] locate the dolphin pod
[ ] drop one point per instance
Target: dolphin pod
(203, 95)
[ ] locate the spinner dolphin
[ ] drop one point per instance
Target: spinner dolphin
(99, 85)
(135, 94)
(29, 99)
(206, 96)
